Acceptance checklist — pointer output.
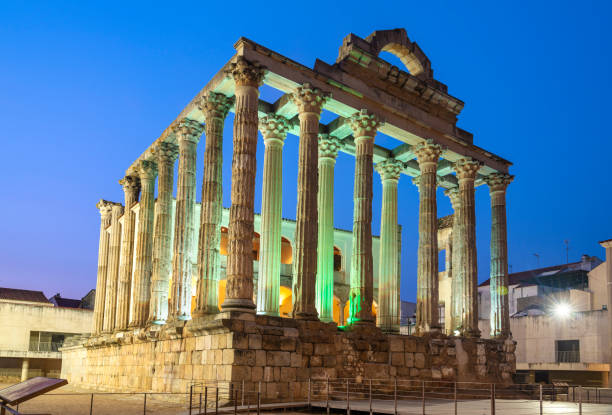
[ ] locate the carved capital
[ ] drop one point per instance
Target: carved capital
(214, 105)
(166, 153)
(427, 152)
(188, 130)
(364, 124)
(147, 170)
(273, 127)
(498, 182)
(389, 169)
(466, 169)
(130, 184)
(246, 73)
(309, 99)
(105, 207)
(329, 146)
(416, 181)
(453, 195)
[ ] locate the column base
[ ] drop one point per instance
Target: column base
(268, 313)
(238, 304)
(471, 333)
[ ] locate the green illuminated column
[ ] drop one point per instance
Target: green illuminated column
(364, 126)
(131, 188)
(105, 209)
(188, 134)
(112, 273)
(466, 170)
(214, 107)
(328, 150)
(388, 264)
(274, 131)
(166, 154)
(239, 291)
(427, 154)
(456, 274)
(500, 313)
(309, 101)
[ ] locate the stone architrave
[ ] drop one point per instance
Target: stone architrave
(147, 171)
(466, 170)
(274, 131)
(456, 273)
(324, 287)
(188, 134)
(165, 154)
(388, 318)
(214, 107)
(361, 296)
(427, 154)
(500, 313)
(112, 273)
(131, 189)
(248, 77)
(309, 101)
(105, 209)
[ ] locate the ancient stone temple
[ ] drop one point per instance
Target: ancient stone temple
(187, 293)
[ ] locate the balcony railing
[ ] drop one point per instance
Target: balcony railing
(36, 346)
(572, 356)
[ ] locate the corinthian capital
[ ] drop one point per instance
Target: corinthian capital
(246, 73)
(309, 99)
(427, 152)
(105, 207)
(130, 184)
(328, 146)
(273, 126)
(147, 170)
(364, 124)
(214, 105)
(390, 169)
(466, 169)
(188, 130)
(453, 195)
(498, 182)
(166, 153)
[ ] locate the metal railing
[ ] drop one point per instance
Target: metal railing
(36, 346)
(572, 356)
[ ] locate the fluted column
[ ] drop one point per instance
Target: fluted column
(147, 171)
(215, 107)
(131, 188)
(105, 209)
(239, 290)
(500, 313)
(112, 272)
(324, 299)
(428, 318)
(188, 134)
(466, 170)
(274, 131)
(361, 296)
(165, 154)
(388, 265)
(309, 101)
(455, 268)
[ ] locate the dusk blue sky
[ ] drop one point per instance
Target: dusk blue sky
(85, 88)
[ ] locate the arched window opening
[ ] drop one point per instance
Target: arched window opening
(224, 238)
(286, 251)
(337, 259)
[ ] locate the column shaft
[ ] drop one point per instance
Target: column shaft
(239, 289)
(166, 154)
(328, 150)
(456, 273)
(131, 188)
(187, 135)
(105, 209)
(112, 273)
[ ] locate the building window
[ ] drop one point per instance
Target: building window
(568, 351)
(337, 259)
(441, 314)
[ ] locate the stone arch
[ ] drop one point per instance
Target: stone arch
(286, 251)
(396, 41)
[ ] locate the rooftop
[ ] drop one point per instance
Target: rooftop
(18, 295)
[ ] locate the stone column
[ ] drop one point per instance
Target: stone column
(25, 367)
(112, 272)
(131, 188)
(274, 131)
(608, 246)
(341, 321)
(466, 170)
(428, 318)
(309, 101)
(215, 108)
(105, 209)
(500, 313)
(388, 264)
(165, 154)
(328, 150)
(239, 290)
(188, 134)
(143, 267)
(364, 126)
(456, 274)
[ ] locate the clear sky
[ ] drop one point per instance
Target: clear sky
(85, 87)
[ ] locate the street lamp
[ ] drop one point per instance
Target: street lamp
(562, 310)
